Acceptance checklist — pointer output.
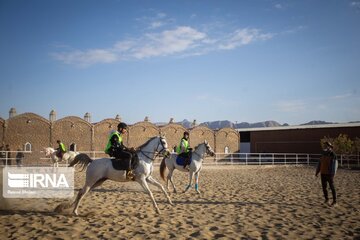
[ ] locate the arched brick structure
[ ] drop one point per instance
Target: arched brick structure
(28, 127)
(2, 123)
(201, 133)
(173, 133)
(227, 137)
(40, 132)
(140, 132)
(72, 130)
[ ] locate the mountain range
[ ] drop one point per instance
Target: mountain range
(226, 123)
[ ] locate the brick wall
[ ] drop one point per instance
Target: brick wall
(140, 132)
(2, 123)
(173, 133)
(227, 137)
(28, 127)
(40, 133)
(72, 130)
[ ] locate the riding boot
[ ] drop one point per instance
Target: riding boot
(186, 163)
(130, 175)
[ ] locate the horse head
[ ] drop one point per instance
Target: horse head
(163, 146)
(209, 150)
(154, 147)
(48, 151)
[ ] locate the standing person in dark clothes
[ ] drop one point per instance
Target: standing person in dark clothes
(19, 157)
(327, 167)
(2, 155)
(7, 148)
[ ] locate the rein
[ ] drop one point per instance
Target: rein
(201, 156)
(157, 154)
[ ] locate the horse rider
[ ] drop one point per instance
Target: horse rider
(116, 148)
(61, 149)
(183, 149)
(327, 167)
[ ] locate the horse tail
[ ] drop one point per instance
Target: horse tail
(162, 168)
(81, 159)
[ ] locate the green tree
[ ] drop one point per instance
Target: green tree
(356, 146)
(342, 144)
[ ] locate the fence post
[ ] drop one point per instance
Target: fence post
(308, 160)
(273, 156)
(260, 159)
(296, 161)
(285, 158)
(341, 160)
(246, 159)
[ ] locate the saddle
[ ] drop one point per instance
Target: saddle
(119, 164)
(181, 161)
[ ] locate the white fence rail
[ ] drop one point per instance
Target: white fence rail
(282, 158)
(348, 161)
(10, 157)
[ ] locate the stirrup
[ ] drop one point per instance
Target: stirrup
(130, 175)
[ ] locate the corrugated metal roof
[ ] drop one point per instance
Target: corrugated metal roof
(334, 125)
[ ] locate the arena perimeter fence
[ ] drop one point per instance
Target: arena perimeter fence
(345, 161)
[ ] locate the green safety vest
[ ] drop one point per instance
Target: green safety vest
(186, 143)
(109, 142)
(62, 147)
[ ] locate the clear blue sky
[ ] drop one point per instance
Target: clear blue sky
(288, 61)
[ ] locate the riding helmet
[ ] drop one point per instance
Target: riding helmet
(122, 125)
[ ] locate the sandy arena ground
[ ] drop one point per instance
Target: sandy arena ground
(237, 202)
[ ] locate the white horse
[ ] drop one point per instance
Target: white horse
(102, 169)
(67, 156)
(194, 168)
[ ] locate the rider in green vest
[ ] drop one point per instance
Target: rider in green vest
(61, 149)
(183, 149)
(116, 148)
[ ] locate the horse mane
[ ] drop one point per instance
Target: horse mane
(198, 146)
(143, 145)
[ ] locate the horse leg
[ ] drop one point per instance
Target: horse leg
(84, 191)
(197, 182)
(79, 197)
(145, 186)
(170, 177)
(152, 181)
(98, 183)
(191, 174)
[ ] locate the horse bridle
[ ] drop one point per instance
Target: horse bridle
(207, 149)
(158, 152)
